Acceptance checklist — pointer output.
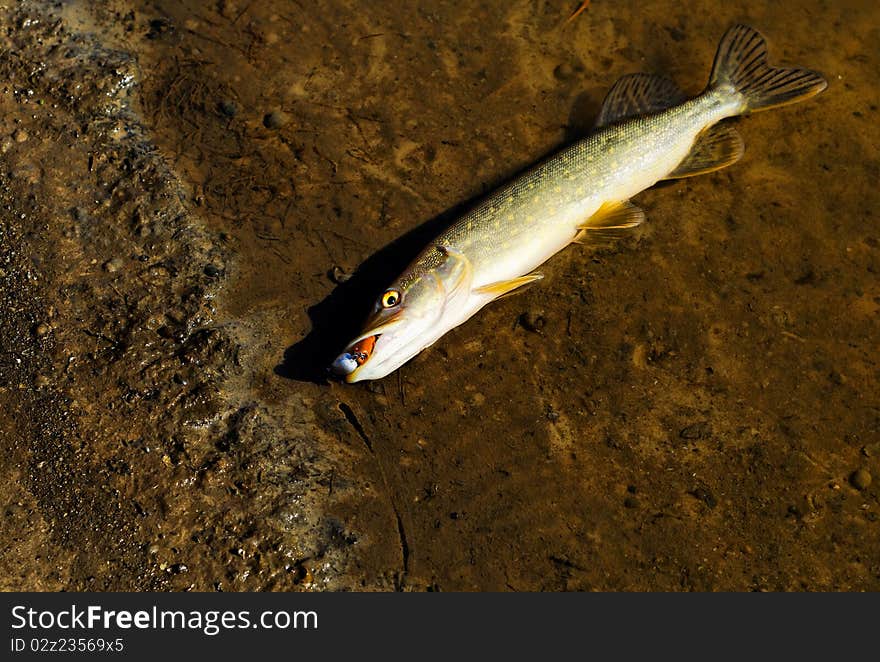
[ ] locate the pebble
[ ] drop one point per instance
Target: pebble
(113, 265)
(563, 71)
(860, 479)
(41, 381)
(275, 119)
(227, 107)
(532, 321)
(338, 275)
(42, 329)
(706, 496)
(696, 431)
(20, 135)
(212, 271)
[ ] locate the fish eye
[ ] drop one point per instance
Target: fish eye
(390, 299)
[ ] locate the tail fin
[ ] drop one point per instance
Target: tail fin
(741, 62)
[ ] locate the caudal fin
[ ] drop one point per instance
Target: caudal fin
(741, 62)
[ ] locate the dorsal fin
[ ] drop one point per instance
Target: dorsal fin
(716, 147)
(638, 94)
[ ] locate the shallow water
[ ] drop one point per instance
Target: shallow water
(681, 410)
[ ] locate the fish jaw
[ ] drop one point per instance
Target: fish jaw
(379, 369)
(392, 348)
(391, 352)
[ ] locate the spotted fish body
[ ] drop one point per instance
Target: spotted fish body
(647, 131)
(520, 226)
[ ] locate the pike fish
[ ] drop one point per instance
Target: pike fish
(647, 131)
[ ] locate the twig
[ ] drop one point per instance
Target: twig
(577, 12)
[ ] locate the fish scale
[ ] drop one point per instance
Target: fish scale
(511, 232)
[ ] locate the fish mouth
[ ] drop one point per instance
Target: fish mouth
(361, 350)
(353, 359)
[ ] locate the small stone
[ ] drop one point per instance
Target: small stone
(20, 135)
(159, 27)
(563, 71)
(532, 321)
(42, 329)
(227, 8)
(212, 271)
(696, 431)
(860, 479)
(275, 119)
(41, 381)
(706, 496)
(338, 275)
(630, 502)
(113, 265)
(227, 107)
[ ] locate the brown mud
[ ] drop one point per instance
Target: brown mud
(201, 199)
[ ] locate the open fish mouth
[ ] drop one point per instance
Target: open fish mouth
(361, 348)
(355, 356)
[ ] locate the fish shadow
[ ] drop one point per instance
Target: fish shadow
(582, 116)
(339, 318)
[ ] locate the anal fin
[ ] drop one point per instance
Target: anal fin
(504, 287)
(715, 148)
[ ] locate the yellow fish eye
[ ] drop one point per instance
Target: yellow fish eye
(390, 299)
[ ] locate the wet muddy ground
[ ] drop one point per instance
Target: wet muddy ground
(201, 199)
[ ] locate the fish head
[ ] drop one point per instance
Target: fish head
(409, 316)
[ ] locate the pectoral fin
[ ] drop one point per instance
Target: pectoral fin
(504, 287)
(614, 216)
